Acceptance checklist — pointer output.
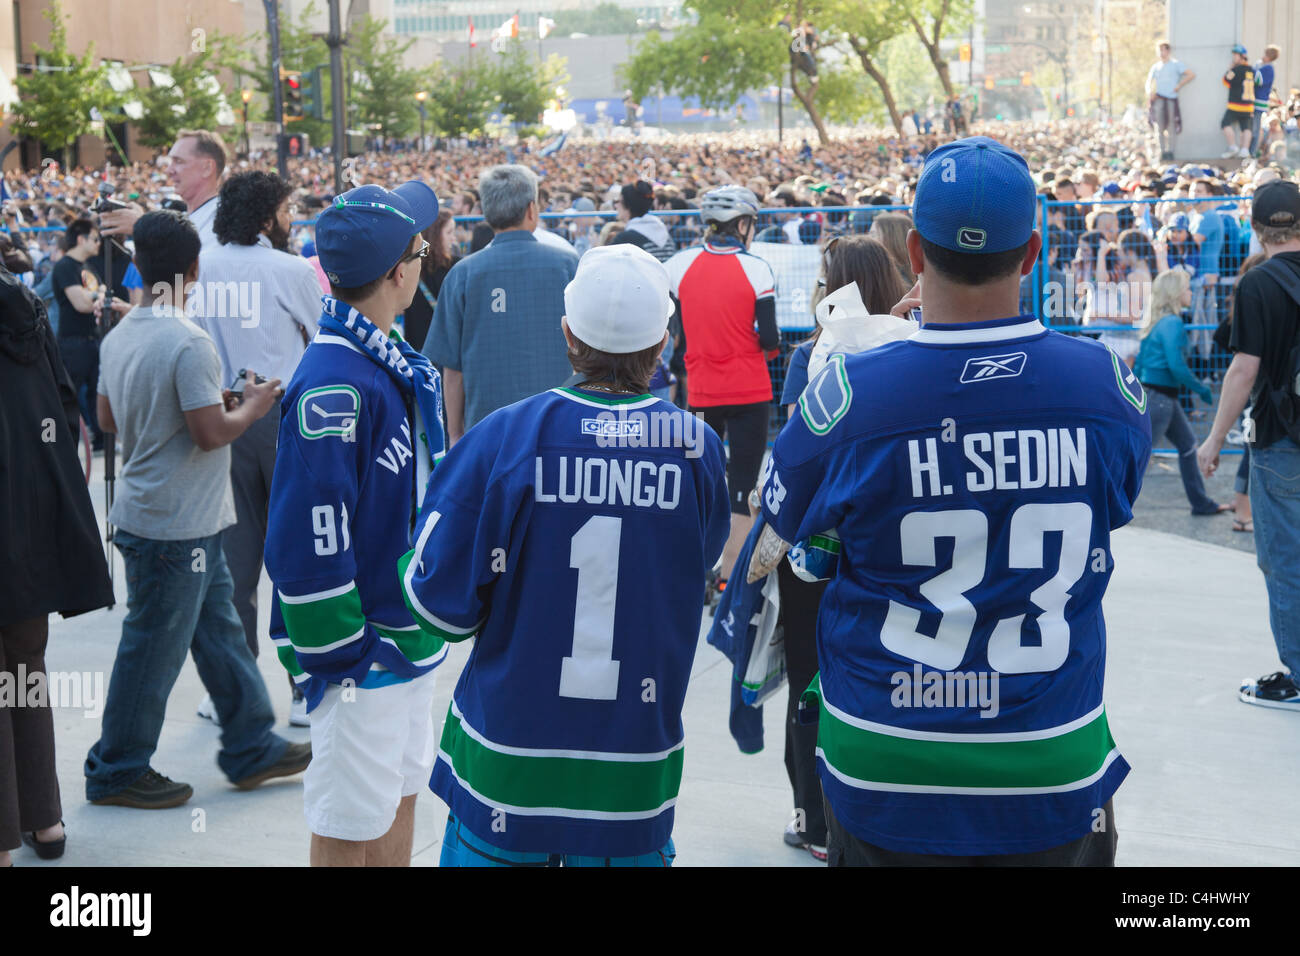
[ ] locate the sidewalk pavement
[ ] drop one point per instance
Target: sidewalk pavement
(1213, 781)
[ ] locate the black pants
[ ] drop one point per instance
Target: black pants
(252, 462)
(29, 785)
(1093, 849)
(744, 428)
(80, 356)
(800, 601)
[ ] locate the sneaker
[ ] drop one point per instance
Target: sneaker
(794, 838)
(298, 710)
(1229, 153)
(1274, 690)
(150, 791)
(208, 710)
(295, 760)
(1244, 153)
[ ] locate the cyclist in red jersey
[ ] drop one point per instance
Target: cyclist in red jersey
(727, 308)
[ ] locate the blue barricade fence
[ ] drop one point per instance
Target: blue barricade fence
(1082, 284)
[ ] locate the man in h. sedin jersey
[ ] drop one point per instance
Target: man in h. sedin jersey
(974, 473)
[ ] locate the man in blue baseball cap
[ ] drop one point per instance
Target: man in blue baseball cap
(974, 473)
(1240, 81)
(360, 431)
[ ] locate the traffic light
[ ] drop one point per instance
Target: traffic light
(1026, 78)
(291, 91)
(312, 104)
(989, 82)
(963, 53)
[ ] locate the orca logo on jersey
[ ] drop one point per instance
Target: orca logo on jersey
(330, 410)
(827, 397)
(968, 237)
(1129, 386)
(988, 367)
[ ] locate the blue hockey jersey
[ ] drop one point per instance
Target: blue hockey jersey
(571, 532)
(341, 513)
(974, 474)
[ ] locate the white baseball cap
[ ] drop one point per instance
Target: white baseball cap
(618, 300)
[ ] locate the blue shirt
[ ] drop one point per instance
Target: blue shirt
(1263, 85)
(796, 376)
(974, 474)
(1162, 359)
(498, 322)
(1209, 225)
(1166, 76)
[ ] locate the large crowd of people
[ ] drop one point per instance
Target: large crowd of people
(468, 340)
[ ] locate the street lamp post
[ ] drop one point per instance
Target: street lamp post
(246, 95)
(420, 97)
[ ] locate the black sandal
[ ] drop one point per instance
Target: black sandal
(50, 850)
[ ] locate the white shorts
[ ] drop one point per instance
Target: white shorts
(367, 753)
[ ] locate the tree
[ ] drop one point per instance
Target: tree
(521, 85)
(300, 51)
(56, 99)
(933, 20)
(868, 25)
(604, 19)
(460, 98)
(734, 47)
(192, 99)
(383, 87)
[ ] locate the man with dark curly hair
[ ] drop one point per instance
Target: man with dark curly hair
(259, 303)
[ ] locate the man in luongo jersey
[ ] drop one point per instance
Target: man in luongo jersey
(361, 427)
(571, 533)
(974, 473)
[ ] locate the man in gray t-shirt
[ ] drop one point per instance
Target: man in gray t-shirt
(159, 388)
(156, 366)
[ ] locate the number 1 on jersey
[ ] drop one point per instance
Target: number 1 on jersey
(590, 671)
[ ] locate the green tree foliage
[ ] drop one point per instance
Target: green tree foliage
(383, 87)
(300, 51)
(460, 97)
(932, 20)
(604, 19)
(192, 101)
(55, 101)
(521, 85)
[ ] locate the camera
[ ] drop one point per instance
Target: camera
(103, 204)
(237, 386)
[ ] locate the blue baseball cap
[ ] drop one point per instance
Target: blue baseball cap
(1111, 189)
(975, 195)
(1179, 220)
(1238, 48)
(364, 231)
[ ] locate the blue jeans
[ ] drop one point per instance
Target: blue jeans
(178, 601)
(1167, 418)
(1275, 506)
(462, 848)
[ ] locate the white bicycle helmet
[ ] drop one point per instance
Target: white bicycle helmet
(727, 203)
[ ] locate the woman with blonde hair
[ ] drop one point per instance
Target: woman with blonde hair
(1161, 367)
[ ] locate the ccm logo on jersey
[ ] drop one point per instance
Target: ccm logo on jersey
(330, 410)
(993, 366)
(611, 428)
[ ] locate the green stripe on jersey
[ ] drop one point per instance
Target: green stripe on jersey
(416, 645)
(316, 624)
(427, 625)
(1057, 762)
(580, 785)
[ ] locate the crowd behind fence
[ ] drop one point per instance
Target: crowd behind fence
(1088, 281)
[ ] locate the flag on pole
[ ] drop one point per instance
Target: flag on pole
(544, 26)
(471, 32)
(510, 29)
